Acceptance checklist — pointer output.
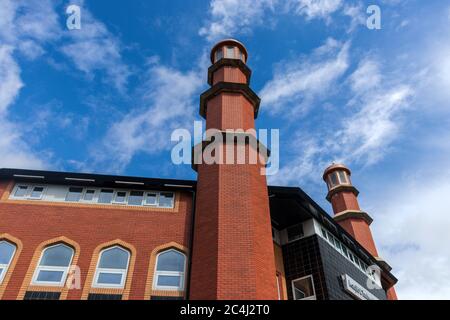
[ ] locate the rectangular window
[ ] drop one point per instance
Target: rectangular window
(136, 198)
(21, 191)
(110, 278)
(151, 199)
(121, 197)
(49, 276)
(229, 53)
(219, 55)
(106, 196)
(37, 193)
(303, 289)
(295, 232)
(169, 281)
(89, 195)
(324, 233)
(342, 177)
(166, 199)
(334, 179)
(74, 194)
(344, 250)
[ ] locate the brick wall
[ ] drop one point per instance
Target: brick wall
(89, 227)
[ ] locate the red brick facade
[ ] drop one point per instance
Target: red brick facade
(233, 255)
(343, 198)
(145, 230)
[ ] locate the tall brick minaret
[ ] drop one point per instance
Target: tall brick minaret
(232, 255)
(343, 197)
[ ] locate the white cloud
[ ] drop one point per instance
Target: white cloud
(365, 135)
(366, 77)
(360, 132)
(10, 82)
(233, 17)
(296, 85)
(411, 227)
(229, 17)
(95, 48)
(14, 150)
(169, 96)
(315, 8)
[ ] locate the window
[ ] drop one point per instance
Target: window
(21, 191)
(74, 194)
(121, 197)
(166, 199)
(53, 266)
(334, 179)
(303, 289)
(219, 54)
(170, 268)
(37, 193)
(295, 232)
(324, 233)
(7, 251)
(151, 199)
(136, 198)
(241, 56)
(106, 196)
(112, 268)
(343, 177)
(89, 195)
(229, 52)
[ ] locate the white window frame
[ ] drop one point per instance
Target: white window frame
(143, 198)
(146, 196)
(173, 202)
(44, 189)
(68, 191)
(123, 272)
(13, 194)
(5, 267)
(313, 297)
(228, 49)
(100, 193)
(219, 54)
(125, 202)
(93, 196)
(40, 268)
(157, 274)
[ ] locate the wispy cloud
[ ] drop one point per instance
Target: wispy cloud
(296, 85)
(168, 97)
(234, 17)
(360, 133)
(95, 48)
(312, 9)
(229, 17)
(14, 151)
(412, 231)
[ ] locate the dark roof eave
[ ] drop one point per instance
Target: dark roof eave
(99, 179)
(297, 191)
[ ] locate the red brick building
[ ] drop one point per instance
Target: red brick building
(225, 236)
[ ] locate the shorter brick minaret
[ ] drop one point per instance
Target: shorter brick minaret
(347, 213)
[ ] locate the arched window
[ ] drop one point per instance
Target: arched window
(112, 268)
(7, 251)
(53, 266)
(170, 268)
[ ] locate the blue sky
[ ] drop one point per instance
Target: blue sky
(106, 98)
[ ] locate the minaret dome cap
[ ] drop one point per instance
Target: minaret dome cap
(229, 42)
(335, 167)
